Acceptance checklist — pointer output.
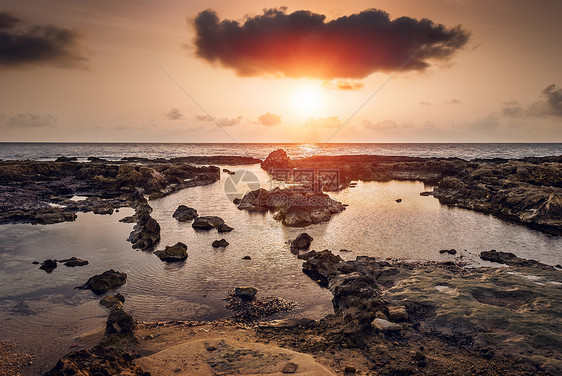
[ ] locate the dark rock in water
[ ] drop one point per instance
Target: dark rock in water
(119, 322)
(207, 223)
(226, 170)
(398, 200)
(277, 159)
(449, 251)
(224, 228)
(246, 258)
(245, 293)
(35, 262)
(97, 160)
(184, 213)
(108, 280)
(111, 301)
(66, 159)
(177, 252)
(220, 243)
(302, 242)
(48, 265)
(236, 201)
(426, 193)
(146, 233)
(74, 261)
(509, 258)
(98, 360)
(290, 368)
(322, 266)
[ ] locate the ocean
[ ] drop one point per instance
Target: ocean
(116, 151)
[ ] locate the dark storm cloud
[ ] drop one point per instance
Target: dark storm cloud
(551, 105)
(304, 44)
(24, 45)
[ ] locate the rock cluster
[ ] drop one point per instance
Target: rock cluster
(246, 307)
(293, 206)
(509, 258)
(277, 159)
(146, 232)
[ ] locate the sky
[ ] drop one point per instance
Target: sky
(291, 71)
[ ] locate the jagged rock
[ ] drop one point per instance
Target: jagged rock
(48, 265)
(177, 252)
(146, 233)
(510, 259)
(245, 293)
(74, 261)
(108, 280)
(322, 266)
(184, 213)
(113, 301)
(207, 223)
(119, 322)
(98, 360)
(302, 242)
(277, 159)
(386, 326)
(220, 243)
(224, 228)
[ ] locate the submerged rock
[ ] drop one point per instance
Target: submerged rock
(302, 242)
(224, 228)
(176, 252)
(184, 213)
(48, 265)
(113, 301)
(101, 283)
(220, 243)
(74, 261)
(207, 223)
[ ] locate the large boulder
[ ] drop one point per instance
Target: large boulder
(102, 283)
(207, 223)
(302, 242)
(184, 213)
(277, 159)
(177, 252)
(322, 266)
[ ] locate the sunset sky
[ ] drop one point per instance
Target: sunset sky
(291, 71)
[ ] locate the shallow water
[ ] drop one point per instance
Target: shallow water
(44, 312)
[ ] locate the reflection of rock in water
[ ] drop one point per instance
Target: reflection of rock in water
(22, 308)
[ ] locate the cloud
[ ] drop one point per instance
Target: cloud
(425, 103)
(28, 120)
(174, 114)
(386, 125)
(224, 122)
(344, 84)
(269, 119)
(453, 101)
(304, 44)
(323, 122)
(551, 105)
(24, 45)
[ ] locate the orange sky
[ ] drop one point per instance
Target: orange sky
(494, 89)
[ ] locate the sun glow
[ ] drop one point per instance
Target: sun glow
(308, 99)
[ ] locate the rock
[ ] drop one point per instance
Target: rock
(111, 301)
(290, 368)
(227, 171)
(108, 280)
(177, 252)
(66, 159)
(277, 159)
(224, 228)
(510, 259)
(220, 243)
(302, 242)
(119, 322)
(398, 200)
(98, 360)
(35, 262)
(236, 201)
(386, 326)
(146, 233)
(322, 266)
(397, 313)
(184, 213)
(246, 258)
(449, 251)
(426, 193)
(245, 293)
(74, 261)
(349, 370)
(48, 265)
(207, 223)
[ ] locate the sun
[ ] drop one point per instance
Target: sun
(308, 99)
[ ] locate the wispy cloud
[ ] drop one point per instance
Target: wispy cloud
(269, 119)
(550, 105)
(344, 84)
(323, 122)
(224, 122)
(174, 114)
(28, 120)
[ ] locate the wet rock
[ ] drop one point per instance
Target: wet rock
(119, 323)
(98, 360)
(113, 301)
(322, 266)
(146, 233)
(74, 261)
(66, 159)
(449, 251)
(246, 258)
(386, 326)
(220, 243)
(177, 252)
(227, 171)
(277, 159)
(207, 223)
(249, 308)
(236, 201)
(184, 213)
(224, 228)
(397, 313)
(509, 258)
(398, 200)
(426, 193)
(290, 368)
(302, 242)
(245, 293)
(108, 280)
(48, 265)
